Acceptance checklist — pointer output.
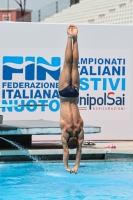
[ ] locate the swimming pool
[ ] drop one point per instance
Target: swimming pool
(94, 181)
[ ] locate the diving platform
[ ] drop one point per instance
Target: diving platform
(21, 131)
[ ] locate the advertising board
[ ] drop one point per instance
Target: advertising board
(31, 66)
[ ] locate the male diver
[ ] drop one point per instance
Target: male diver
(71, 122)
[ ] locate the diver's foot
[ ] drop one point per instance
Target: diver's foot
(72, 31)
(75, 31)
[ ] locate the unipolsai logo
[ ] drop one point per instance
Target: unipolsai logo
(32, 68)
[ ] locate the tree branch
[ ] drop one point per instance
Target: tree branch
(18, 3)
(24, 5)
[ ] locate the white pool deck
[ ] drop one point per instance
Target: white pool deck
(122, 152)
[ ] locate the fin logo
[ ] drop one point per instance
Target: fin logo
(31, 67)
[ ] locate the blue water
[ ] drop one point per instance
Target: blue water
(94, 181)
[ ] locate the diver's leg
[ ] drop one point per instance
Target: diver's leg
(65, 76)
(75, 72)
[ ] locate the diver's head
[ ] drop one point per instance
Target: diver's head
(72, 142)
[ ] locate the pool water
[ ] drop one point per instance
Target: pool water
(94, 181)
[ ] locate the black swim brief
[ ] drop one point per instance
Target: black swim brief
(69, 91)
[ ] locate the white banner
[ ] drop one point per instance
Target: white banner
(34, 79)
(30, 72)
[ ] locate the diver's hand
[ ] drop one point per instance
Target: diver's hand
(74, 169)
(68, 169)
